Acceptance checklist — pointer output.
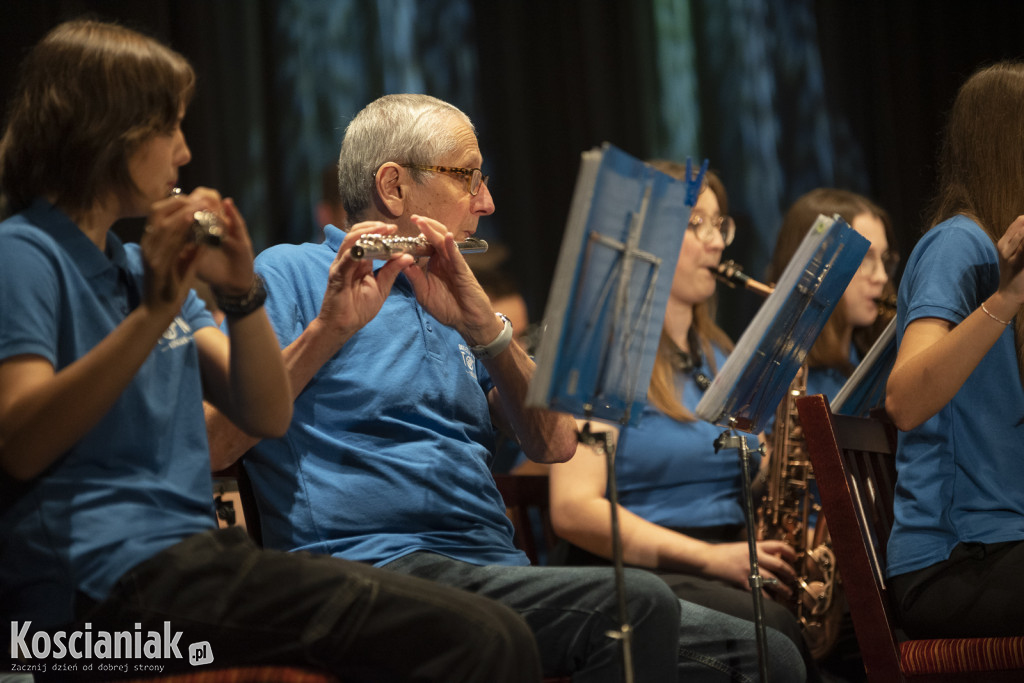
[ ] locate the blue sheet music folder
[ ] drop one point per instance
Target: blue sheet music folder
(607, 304)
(760, 369)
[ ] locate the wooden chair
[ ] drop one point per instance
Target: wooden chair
(526, 499)
(854, 465)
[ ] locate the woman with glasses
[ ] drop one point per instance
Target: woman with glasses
(956, 553)
(859, 318)
(680, 504)
(849, 332)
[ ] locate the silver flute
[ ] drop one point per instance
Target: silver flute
(375, 246)
(206, 227)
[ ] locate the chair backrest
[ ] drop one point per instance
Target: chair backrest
(854, 465)
(527, 505)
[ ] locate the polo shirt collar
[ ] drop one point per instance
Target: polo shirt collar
(91, 261)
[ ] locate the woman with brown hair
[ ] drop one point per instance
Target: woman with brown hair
(680, 504)
(106, 354)
(955, 556)
(856, 322)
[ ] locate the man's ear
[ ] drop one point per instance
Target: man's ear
(391, 193)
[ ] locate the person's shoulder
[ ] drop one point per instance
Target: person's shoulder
(958, 236)
(288, 253)
(19, 236)
(961, 228)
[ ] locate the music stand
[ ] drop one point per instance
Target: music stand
(607, 305)
(744, 395)
(865, 389)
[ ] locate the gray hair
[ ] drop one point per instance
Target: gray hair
(406, 129)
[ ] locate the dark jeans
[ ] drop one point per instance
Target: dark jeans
(571, 609)
(364, 624)
(712, 594)
(977, 592)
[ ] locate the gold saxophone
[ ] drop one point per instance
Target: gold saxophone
(786, 507)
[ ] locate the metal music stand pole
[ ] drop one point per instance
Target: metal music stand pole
(602, 441)
(730, 439)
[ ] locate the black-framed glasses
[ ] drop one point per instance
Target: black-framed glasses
(705, 228)
(474, 176)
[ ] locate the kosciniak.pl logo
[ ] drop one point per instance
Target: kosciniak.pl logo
(75, 650)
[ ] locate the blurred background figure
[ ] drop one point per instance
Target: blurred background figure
(330, 210)
(494, 275)
(867, 305)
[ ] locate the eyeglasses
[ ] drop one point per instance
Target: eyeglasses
(474, 176)
(888, 262)
(705, 228)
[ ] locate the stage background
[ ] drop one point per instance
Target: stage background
(781, 95)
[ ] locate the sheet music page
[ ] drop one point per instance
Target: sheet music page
(607, 304)
(766, 358)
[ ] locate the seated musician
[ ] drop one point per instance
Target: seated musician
(680, 502)
(956, 552)
(106, 505)
(862, 312)
(386, 459)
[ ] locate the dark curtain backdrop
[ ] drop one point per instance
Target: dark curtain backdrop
(785, 95)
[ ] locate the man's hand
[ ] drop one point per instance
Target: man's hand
(449, 290)
(354, 293)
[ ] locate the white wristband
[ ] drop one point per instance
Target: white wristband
(499, 344)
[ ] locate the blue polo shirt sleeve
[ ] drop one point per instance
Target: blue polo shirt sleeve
(30, 290)
(951, 271)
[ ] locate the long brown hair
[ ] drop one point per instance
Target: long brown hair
(828, 349)
(662, 391)
(981, 162)
(89, 93)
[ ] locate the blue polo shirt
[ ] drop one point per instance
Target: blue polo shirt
(669, 473)
(389, 446)
(959, 472)
(139, 481)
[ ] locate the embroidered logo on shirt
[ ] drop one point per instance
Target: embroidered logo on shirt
(178, 333)
(468, 360)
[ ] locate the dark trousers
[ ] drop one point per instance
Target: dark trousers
(258, 607)
(977, 592)
(716, 595)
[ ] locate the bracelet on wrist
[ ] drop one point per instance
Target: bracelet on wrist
(499, 344)
(240, 305)
(989, 314)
